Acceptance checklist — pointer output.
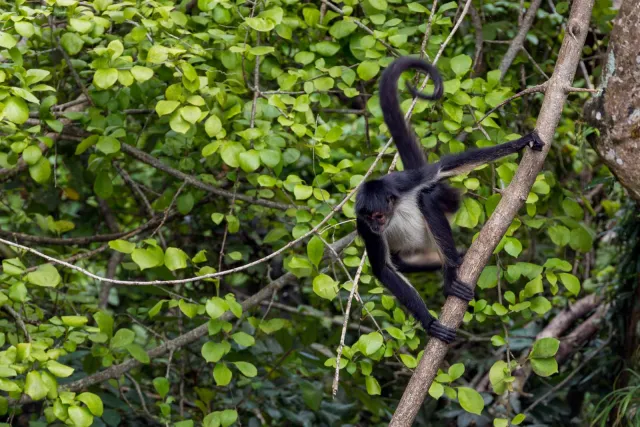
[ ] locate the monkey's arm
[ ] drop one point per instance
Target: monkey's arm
(467, 161)
(400, 287)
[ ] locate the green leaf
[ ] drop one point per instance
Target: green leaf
(461, 64)
(108, 145)
(325, 287)
(247, 369)
(189, 310)
(315, 250)
(138, 353)
(534, 287)
(157, 54)
(222, 375)
(81, 417)
(162, 386)
(93, 402)
(540, 305)
(58, 369)
(470, 400)
(105, 78)
(544, 348)
(544, 367)
(581, 240)
(35, 387)
(302, 192)
(216, 307)
(166, 107)
(571, 282)
(489, 277)
(212, 126)
(103, 186)
(380, 5)
(436, 390)
(368, 70)
(15, 110)
(7, 41)
(342, 28)
(373, 387)
(560, 235)
(72, 43)
(513, 246)
(190, 113)
(122, 338)
(518, 419)
(32, 154)
(249, 160)
(122, 246)
(46, 275)
(370, 343)
(214, 351)
(141, 74)
(24, 28)
(243, 339)
(500, 422)
(408, 360)
(74, 321)
(175, 259)
(41, 171)
(148, 258)
(230, 153)
(497, 341)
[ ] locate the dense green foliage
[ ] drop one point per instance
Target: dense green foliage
(217, 132)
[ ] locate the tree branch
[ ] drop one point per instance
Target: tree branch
(512, 199)
(518, 41)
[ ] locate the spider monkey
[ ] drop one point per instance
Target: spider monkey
(402, 217)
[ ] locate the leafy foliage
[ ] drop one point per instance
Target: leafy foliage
(216, 133)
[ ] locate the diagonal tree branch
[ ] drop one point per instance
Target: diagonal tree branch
(513, 198)
(518, 40)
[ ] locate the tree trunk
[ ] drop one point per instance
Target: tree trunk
(616, 110)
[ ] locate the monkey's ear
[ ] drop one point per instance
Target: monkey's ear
(391, 199)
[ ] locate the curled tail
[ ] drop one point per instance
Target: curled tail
(410, 152)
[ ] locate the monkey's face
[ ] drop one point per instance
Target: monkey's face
(379, 215)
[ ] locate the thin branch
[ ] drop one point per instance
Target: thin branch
(518, 41)
(195, 182)
(512, 199)
(19, 322)
(534, 89)
(354, 287)
(335, 8)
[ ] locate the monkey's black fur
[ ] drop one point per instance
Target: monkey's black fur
(402, 215)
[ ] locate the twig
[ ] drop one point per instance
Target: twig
(354, 286)
(166, 211)
(19, 322)
(518, 41)
(534, 89)
(361, 25)
(427, 31)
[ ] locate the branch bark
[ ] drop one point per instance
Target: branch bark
(513, 198)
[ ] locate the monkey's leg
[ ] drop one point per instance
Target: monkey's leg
(418, 263)
(467, 161)
(441, 231)
(400, 287)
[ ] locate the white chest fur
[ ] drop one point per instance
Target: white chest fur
(407, 231)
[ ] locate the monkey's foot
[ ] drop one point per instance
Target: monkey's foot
(535, 143)
(443, 333)
(460, 289)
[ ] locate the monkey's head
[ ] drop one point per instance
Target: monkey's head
(375, 205)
